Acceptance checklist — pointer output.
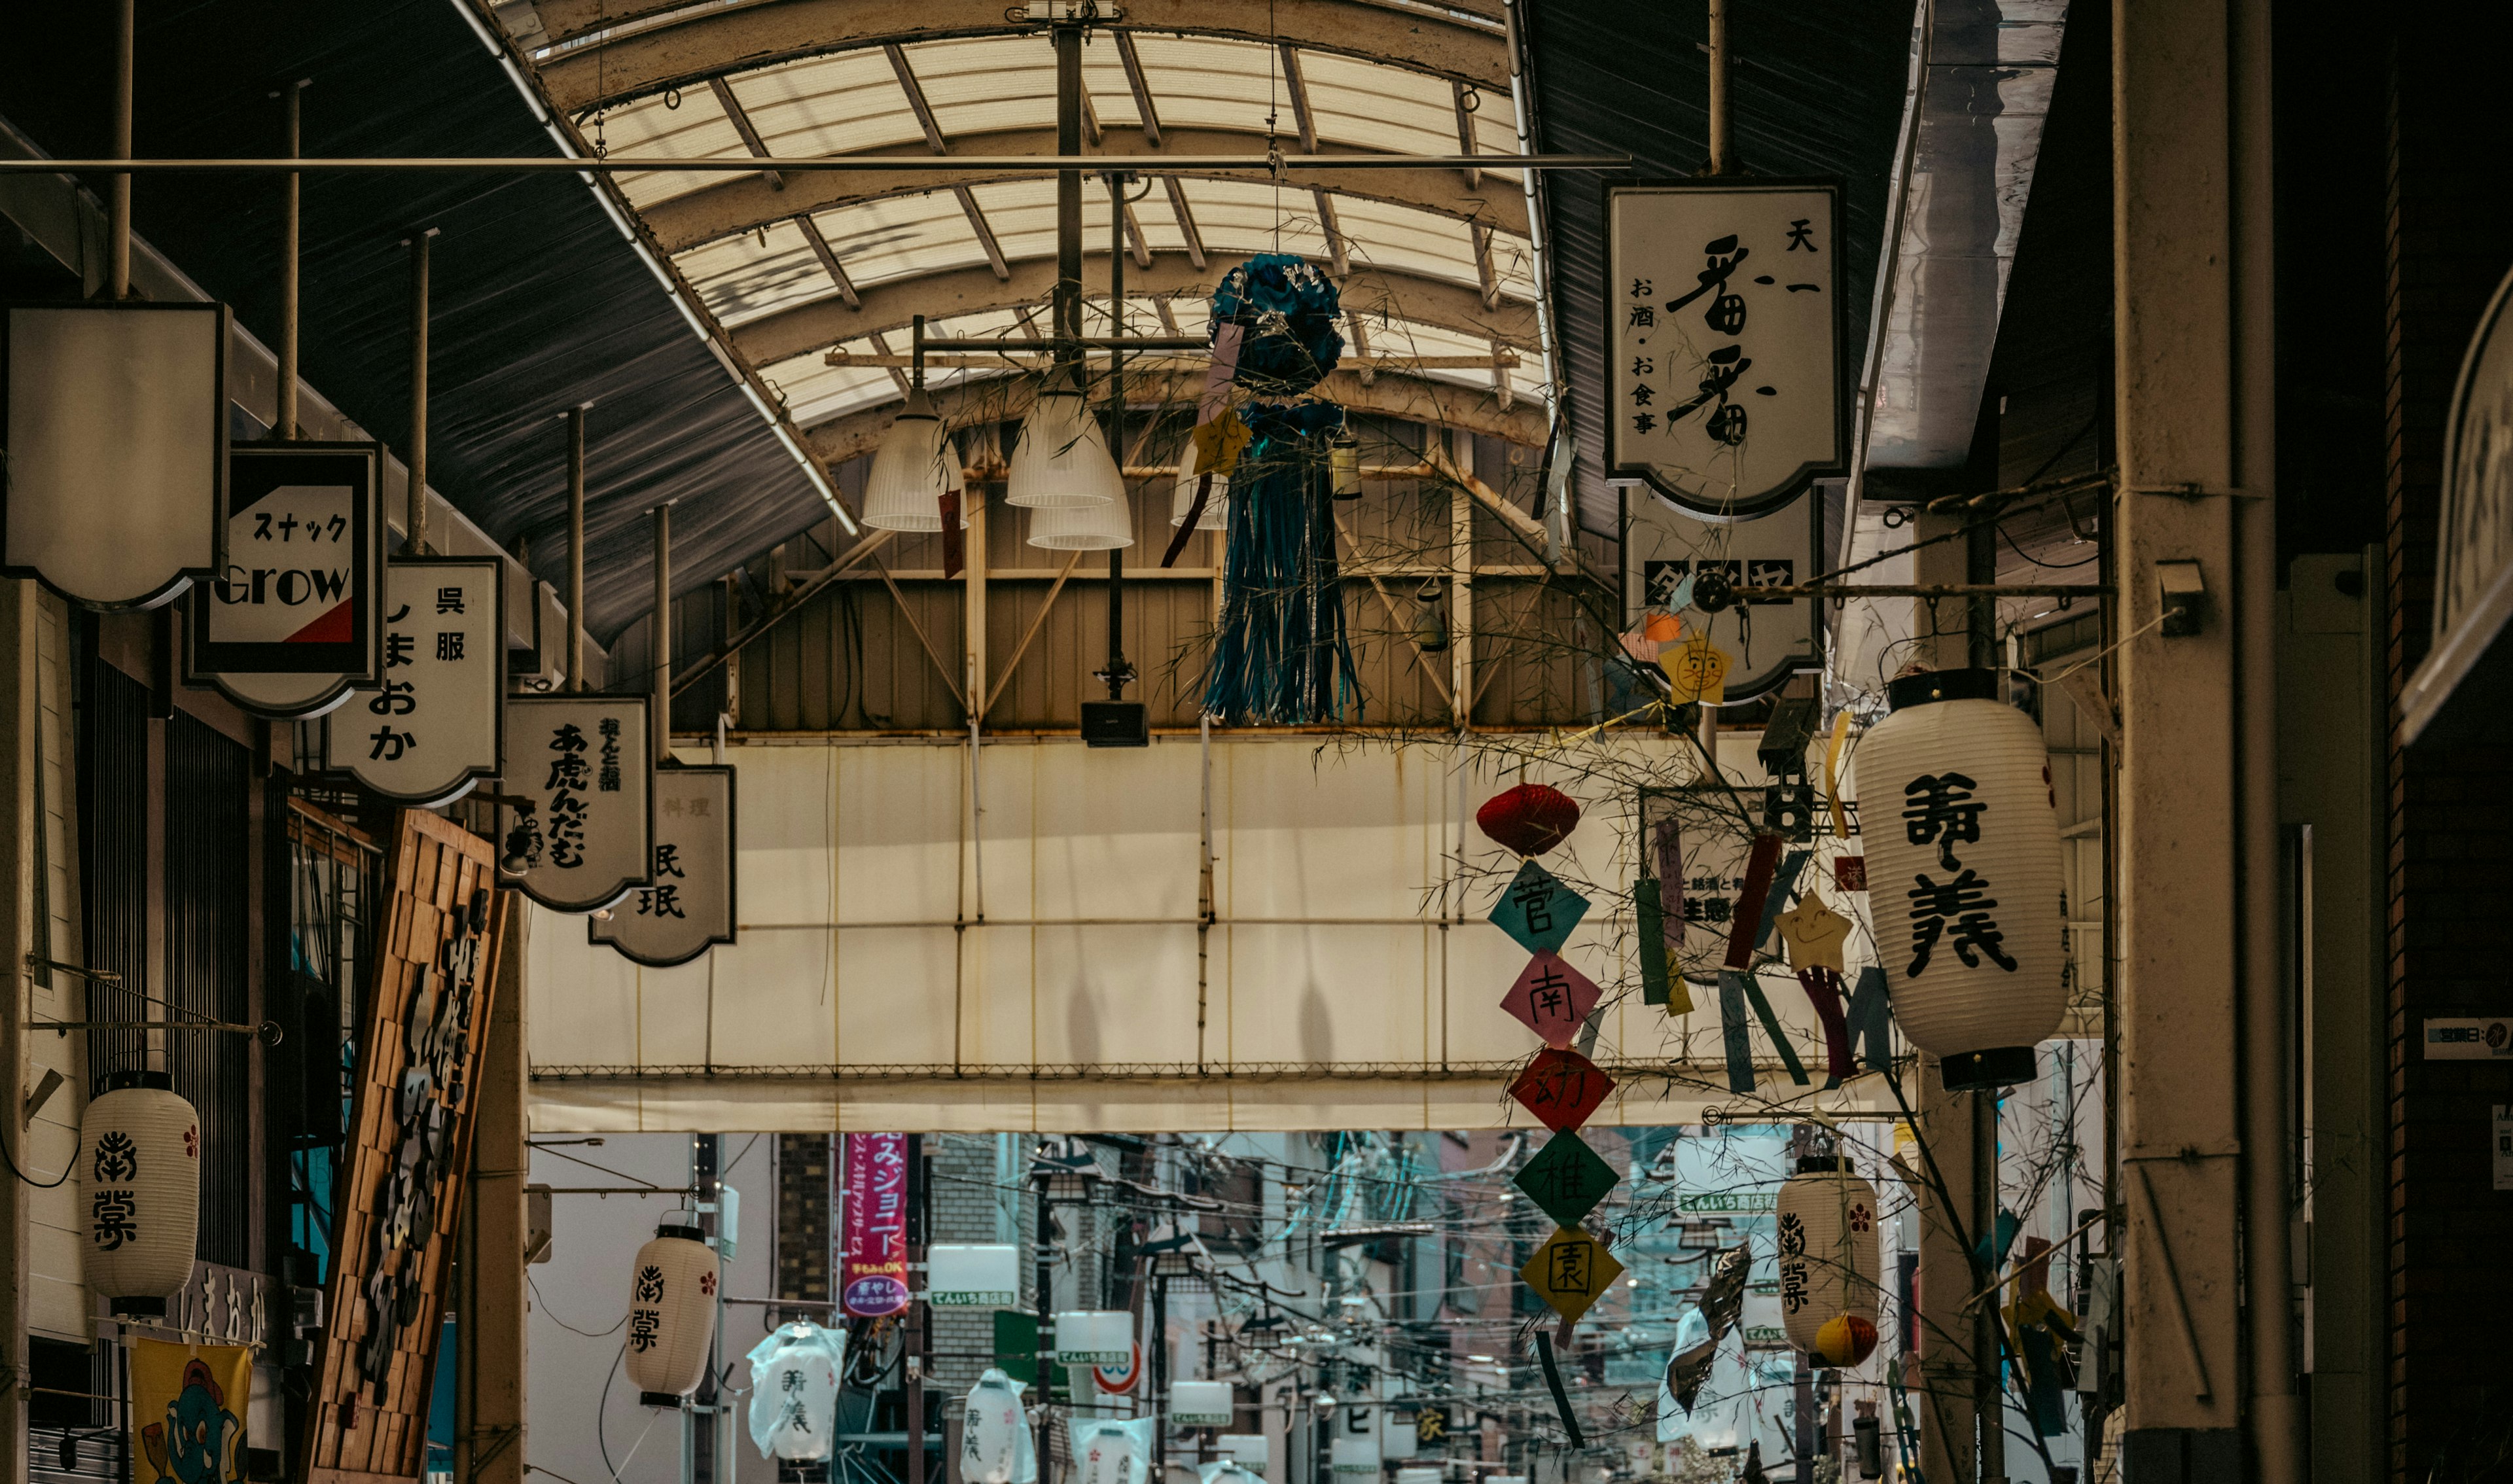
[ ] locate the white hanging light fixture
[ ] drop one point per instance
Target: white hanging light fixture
(1825, 1224)
(909, 472)
(1216, 504)
(1062, 459)
(1103, 527)
(1962, 872)
(143, 1196)
(672, 1312)
(994, 1435)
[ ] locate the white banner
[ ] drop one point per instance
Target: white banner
(429, 731)
(586, 763)
(688, 907)
(1724, 372)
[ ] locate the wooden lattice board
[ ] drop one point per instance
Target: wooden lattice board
(409, 1150)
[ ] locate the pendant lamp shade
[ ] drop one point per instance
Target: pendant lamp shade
(994, 1436)
(1962, 872)
(1825, 1220)
(1216, 504)
(1103, 527)
(143, 1201)
(671, 1313)
(1062, 459)
(910, 472)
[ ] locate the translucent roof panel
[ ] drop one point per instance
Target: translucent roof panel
(1238, 217)
(741, 278)
(836, 105)
(1021, 213)
(988, 83)
(652, 126)
(1204, 83)
(901, 236)
(1389, 108)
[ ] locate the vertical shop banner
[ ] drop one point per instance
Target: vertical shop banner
(117, 427)
(873, 1256)
(188, 1404)
(689, 906)
(585, 763)
(429, 731)
(294, 620)
(1725, 385)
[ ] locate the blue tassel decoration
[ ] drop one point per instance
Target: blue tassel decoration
(1283, 657)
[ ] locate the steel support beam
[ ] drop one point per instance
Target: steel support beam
(708, 40)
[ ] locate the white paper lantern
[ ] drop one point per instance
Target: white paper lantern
(994, 1433)
(1094, 1338)
(1061, 457)
(1825, 1226)
(1216, 504)
(1104, 526)
(1112, 1452)
(1354, 1456)
(1202, 1404)
(1250, 1451)
(671, 1312)
(910, 472)
(794, 1391)
(141, 1195)
(1963, 874)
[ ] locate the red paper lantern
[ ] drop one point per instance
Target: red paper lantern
(1530, 819)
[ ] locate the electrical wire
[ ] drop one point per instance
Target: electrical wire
(563, 1324)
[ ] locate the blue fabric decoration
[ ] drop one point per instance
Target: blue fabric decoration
(1283, 656)
(1784, 885)
(1287, 309)
(1735, 1037)
(1871, 1020)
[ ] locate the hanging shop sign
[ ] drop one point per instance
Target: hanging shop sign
(401, 1183)
(874, 1253)
(584, 761)
(973, 1276)
(188, 1408)
(1250, 1451)
(687, 908)
(2462, 1038)
(1703, 574)
(431, 727)
(1725, 383)
(294, 620)
(1093, 1336)
(117, 440)
(2474, 540)
(1202, 1404)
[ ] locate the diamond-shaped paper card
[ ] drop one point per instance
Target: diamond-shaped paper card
(1537, 910)
(1551, 998)
(1561, 1088)
(1571, 1272)
(1567, 1178)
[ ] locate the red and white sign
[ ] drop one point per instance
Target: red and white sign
(874, 1258)
(1119, 1380)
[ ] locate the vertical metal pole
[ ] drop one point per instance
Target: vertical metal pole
(284, 422)
(1160, 1377)
(417, 454)
(1989, 1332)
(699, 1458)
(1723, 142)
(1116, 425)
(912, 1340)
(1981, 620)
(660, 633)
(575, 545)
(117, 203)
(1067, 314)
(1040, 1360)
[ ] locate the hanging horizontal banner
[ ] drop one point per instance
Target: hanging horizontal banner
(188, 1406)
(116, 435)
(873, 1252)
(294, 621)
(688, 907)
(430, 728)
(1725, 383)
(1668, 552)
(586, 763)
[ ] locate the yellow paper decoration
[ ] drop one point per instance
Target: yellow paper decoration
(1219, 443)
(1571, 1272)
(1832, 775)
(1814, 933)
(1697, 671)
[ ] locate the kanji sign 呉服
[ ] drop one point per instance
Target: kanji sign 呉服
(1537, 911)
(582, 760)
(1561, 1088)
(1571, 1272)
(1567, 1178)
(1725, 385)
(292, 621)
(430, 728)
(687, 908)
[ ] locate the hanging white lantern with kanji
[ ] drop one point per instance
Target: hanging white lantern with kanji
(1112, 1452)
(1824, 1226)
(140, 1200)
(994, 1435)
(671, 1312)
(1963, 874)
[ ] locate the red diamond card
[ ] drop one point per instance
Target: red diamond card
(1561, 1088)
(1551, 998)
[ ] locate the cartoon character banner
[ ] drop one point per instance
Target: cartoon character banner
(189, 1403)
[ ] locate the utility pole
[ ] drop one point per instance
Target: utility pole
(912, 1337)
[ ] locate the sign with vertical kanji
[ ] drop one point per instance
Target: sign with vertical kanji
(430, 728)
(1698, 837)
(1551, 998)
(586, 763)
(1724, 377)
(873, 1256)
(1537, 911)
(1571, 1272)
(1561, 1088)
(688, 909)
(294, 620)
(1567, 1178)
